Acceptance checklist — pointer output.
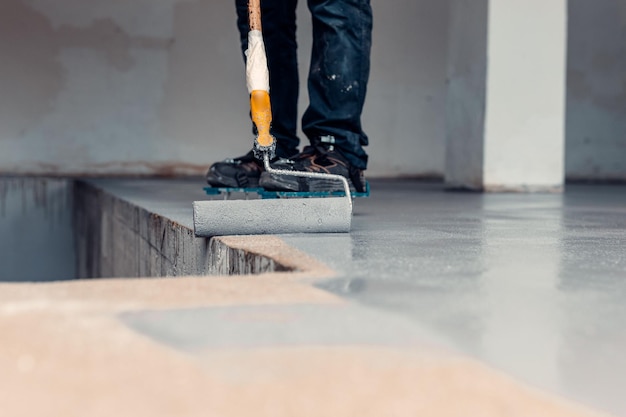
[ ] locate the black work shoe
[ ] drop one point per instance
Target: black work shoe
(241, 172)
(321, 159)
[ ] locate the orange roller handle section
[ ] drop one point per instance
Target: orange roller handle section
(262, 116)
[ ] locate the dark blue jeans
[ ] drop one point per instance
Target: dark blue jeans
(337, 83)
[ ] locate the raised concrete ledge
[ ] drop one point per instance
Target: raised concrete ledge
(133, 228)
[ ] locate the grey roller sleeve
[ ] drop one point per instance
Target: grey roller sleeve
(250, 217)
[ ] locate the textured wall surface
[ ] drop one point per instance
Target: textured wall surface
(466, 94)
(116, 86)
(36, 239)
(405, 112)
(116, 238)
(596, 123)
(157, 86)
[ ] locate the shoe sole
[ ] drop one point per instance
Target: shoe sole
(216, 180)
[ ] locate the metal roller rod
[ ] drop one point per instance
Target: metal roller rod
(342, 179)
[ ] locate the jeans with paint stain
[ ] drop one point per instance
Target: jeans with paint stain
(338, 75)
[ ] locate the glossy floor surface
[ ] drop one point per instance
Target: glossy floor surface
(533, 284)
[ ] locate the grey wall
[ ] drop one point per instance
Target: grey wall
(596, 122)
(467, 88)
(117, 86)
(157, 86)
(36, 234)
(405, 111)
(506, 95)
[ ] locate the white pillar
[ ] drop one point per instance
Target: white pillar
(506, 95)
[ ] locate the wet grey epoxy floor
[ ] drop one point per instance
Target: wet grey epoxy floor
(533, 284)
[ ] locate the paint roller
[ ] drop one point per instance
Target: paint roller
(275, 216)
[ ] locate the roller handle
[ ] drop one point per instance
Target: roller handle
(260, 105)
(254, 15)
(261, 111)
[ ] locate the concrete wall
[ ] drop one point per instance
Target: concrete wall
(467, 93)
(138, 86)
(506, 95)
(36, 234)
(157, 86)
(596, 123)
(525, 110)
(405, 111)
(119, 238)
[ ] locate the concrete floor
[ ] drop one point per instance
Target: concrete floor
(428, 288)
(532, 284)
